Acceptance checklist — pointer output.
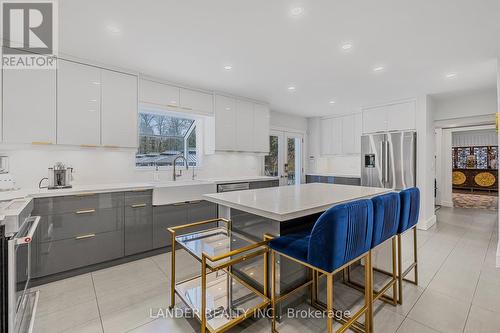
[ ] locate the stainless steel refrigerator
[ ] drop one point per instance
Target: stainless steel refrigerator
(389, 160)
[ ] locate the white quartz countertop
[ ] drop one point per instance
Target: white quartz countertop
(117, 187)
(289, 202)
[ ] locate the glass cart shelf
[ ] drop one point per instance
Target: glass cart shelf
(228, 298)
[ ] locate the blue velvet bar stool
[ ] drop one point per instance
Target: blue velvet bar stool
(386, 217)
(410, 209)
(341, 236)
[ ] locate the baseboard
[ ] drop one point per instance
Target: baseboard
(447, 204)
(426, 224)
(497, 261)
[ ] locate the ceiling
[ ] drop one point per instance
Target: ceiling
(190, 42)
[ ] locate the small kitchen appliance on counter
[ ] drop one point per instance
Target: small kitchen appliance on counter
(7, 181)
(60, 176)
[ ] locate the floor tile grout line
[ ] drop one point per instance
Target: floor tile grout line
(97, 302)
(433, 276)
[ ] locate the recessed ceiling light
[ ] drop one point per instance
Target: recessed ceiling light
(451, 75)
(297, 11)
(291, 88)
(332, 102)
(228, 67)
(113, 29)
(378, 69)
(347, 46)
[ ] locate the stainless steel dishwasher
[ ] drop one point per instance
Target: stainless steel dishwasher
(233, 187)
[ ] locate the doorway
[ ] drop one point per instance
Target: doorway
(469, 167)
(285, 159)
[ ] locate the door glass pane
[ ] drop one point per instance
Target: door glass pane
(290, 160)
(271, 160)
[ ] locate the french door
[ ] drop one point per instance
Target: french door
(285, 159)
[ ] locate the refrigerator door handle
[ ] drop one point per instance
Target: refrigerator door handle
(386, 162)
(382, 153)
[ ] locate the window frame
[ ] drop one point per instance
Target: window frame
(167, 111)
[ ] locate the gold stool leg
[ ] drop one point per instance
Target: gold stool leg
(329, 302)
(203, 309)
(172, 274)
(400, 272)
(273, 291)
(415, 257)
(394, 271)
(369, 293)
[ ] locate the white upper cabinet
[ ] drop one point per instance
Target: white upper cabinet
(261, 128)
(241, 125)
(78, 104)
(184, 100)
(29, 106)
(158, 93)
(119, 109)
(326, 136)
(348, 136)
(401, 116)
(225, 123)
(374, 120)
(341, 135)
(244, 126)
(199, 102)
(391, 117)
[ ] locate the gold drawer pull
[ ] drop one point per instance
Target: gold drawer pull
(85, 236)
(88, 146)
(86, 194)
(180, 203)
(88, 211)
(41, 143)
(186, 108)
(138, 205)
(140, 190)
(195, 201)
(172, 106)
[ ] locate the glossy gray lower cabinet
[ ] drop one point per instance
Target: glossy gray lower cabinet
(71, 225)
(179, 214)
(63, 255)
(165, 217)
(201, 211)
(333, 180)
(73, 203)
(138, 222)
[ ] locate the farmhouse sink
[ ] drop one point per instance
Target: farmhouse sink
(171, 192)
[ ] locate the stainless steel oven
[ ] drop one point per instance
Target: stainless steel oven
(21, 302)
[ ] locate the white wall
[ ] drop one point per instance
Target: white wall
(465, 104)
(29, 164)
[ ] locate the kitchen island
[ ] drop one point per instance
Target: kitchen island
(278, 211)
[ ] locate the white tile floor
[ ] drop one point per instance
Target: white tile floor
(459, 290)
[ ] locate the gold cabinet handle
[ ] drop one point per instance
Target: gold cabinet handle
(180, 203)
(87, 211)
(172, 106)
(85, 194)
(186, 108)
(88, 146)
(85, 236)
(138, 205)
(41, 143)
(140, 190)
(195, 201)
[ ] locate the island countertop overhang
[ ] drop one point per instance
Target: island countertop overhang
(289, 202)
